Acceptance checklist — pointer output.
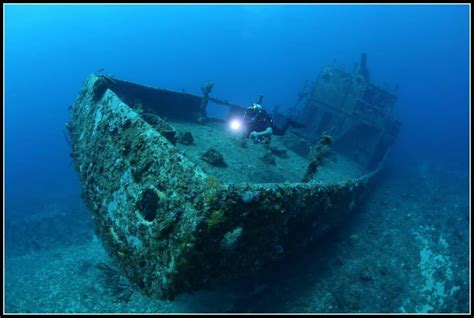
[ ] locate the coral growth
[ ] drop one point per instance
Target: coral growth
(318, 154)
(115, 282)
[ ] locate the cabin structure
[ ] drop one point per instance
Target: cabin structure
(354, 111)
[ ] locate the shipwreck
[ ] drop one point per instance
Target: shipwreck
(180, 204)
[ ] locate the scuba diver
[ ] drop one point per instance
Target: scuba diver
(259, 125)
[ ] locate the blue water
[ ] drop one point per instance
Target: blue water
(246, 51)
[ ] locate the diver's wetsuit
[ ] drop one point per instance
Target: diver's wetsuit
(256, 119)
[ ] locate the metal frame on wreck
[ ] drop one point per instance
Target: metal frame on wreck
(171, 227)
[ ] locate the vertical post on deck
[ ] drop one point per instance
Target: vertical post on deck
(206, 90)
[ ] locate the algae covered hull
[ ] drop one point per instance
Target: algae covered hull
(171, 226)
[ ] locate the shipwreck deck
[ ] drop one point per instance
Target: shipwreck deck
(245, 164)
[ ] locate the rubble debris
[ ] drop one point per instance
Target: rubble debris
(268, 158)
(214, 158)
(279, 151)
(185, 138)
